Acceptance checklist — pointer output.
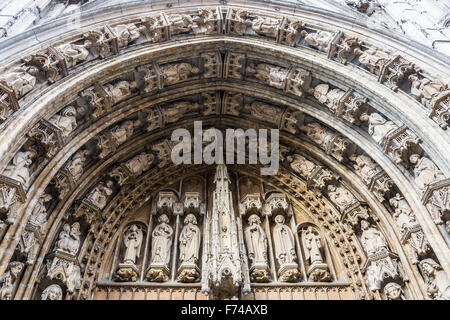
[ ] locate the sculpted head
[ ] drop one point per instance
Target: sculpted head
(190, 218)
(254, 219)
(52, 292)
(365, 224)
(163, 219)
(76, 227)
(414, 158)
(393, 291)
(279, 219)
(429, 266)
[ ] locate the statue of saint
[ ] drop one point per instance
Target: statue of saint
(190, 238)
(132, 241)
(283, 242)
(372, 239)
(256, 241)
(312, 245)
(161, 242)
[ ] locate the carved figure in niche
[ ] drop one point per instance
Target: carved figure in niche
(124, 131)
(403, 215)
(161, 242)
(132, 241)
(76, 165)
(127, 33)
(120, 90)
(373, 58)
(69, 238)
(341, 197)
(190, 238)
(52, 292)
(9, 278)
(140, 163)
(425, 89)
(264, 111)
(317, 133)
(365, 167)
(425, 171)
(178, 72)
(21, 79)
(74, 53)
(312, 244)
(38, 216)
(393, 291)
(19, 168)
(379, 127)
(438, 283)
(100, 194)
(283, 242)
(301, 165)
(176, 111)
(256, 241)
(261, 25)
(181, 23)
(320, 39)
(272, 75)
(66, 121)
(372, 239)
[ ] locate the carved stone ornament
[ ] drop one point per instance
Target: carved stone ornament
(160, 251)
(21, 79)
(132, 240)
(190, 238)
(314, 254)
(250, 204)
(52, 292)
(8, 280)
(8, 101)
(438, 283)
(285, 254)
(276, 203)
(256, 241)
(64, 266)
(50, 63)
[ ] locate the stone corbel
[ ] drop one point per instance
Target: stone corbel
(122, 175)
(8, 101)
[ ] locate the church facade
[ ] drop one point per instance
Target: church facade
(93, 206)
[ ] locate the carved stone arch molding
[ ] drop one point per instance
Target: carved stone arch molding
(86, 177)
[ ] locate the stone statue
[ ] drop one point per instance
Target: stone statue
(312, 245)
(176, 111)
(301, 165)
(393, 291)
(66, 121)
(19, 168)
(272, 75)
(120, 90)
(77, 163)
(341, 197)
(373, 58)
(261, 25)
(21, 79)
(438, 283)
(372, 239)
(283, 242)
(74, 53)
(99, 195)
(69, 238)
(178, 72)
(181, 23)
(140, 163)
(426, 90)
(256, 241)
(320, 39)
(38, 216)
(403, 214)
(317, 133)
(124, 131)
(126, 33)
(52, 292)
(190, 238)
(264, 111)
(133, 242)
(425, 171)
(365, 167)
(9, 278)
(161, 242)
(379, 127)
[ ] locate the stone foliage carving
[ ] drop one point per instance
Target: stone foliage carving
(9, 278)
(190, 238)
(160, 251)
(256, 240)
(438, 283)
(285, 253)
(69, 239)
(52, 292)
